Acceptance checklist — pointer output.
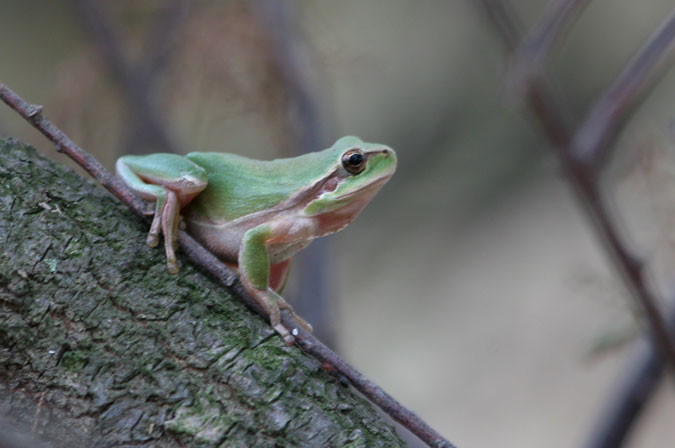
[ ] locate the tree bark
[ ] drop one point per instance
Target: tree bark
(100, 346)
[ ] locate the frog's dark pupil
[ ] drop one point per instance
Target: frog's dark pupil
(355, 159)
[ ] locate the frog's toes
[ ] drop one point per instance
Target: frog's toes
(303, 323)
(172, 266)
(283, 305)
(153, 239)
(284, 333)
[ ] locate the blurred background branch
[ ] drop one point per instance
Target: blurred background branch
(630, 396)
(580, 152)
(147, 131)
(597, 136)
(537, 44)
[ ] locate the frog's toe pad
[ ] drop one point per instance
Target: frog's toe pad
(152, 240)
(285, 335)
(172, 267)
(303, 323)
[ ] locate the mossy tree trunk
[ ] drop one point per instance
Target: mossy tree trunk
(100, 346)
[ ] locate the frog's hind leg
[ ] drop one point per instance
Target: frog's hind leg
(147, 191)
(153, 234)
(170, 214)
(171, 181)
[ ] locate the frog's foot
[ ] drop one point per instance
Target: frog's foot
(153, 239)
(283, 305)
(167, 215)
(153, 234)
(270, 302)
(284, 333)
(172, 266)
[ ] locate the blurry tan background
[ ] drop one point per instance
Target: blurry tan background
(471, 289)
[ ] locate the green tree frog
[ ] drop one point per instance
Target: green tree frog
(257, 214)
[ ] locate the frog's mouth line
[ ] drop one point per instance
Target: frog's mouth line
(377, 184)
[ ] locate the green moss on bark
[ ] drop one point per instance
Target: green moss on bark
(100, 346)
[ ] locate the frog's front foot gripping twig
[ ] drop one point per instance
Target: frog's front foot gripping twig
(283, 305)
(273, 303)
(286, 335)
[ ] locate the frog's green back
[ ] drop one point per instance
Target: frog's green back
(238, 186)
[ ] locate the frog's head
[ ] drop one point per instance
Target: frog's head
(357, 171)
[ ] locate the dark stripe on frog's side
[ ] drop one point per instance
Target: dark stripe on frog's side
(238, 186)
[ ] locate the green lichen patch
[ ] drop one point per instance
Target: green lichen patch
(205, 421)
(74, 360)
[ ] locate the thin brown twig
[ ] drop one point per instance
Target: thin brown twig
(547, 111)
(224, 275)
(33, 114)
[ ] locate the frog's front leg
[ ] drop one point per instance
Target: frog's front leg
(170, 180)
(254, 268)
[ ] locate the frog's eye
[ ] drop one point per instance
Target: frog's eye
(354, 161)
